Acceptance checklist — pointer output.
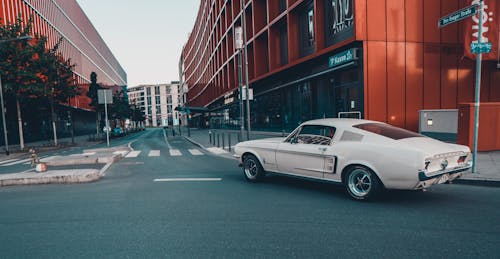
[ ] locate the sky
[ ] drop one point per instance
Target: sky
(145, 36)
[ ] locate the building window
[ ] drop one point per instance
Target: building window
(169, 99)
(157, 99)
(149, 100)
(339, 19)
(148, 91)
(167, 89)
(158, 109)
(157, 90)
(306, 20)
(283, 45)
(169, 109)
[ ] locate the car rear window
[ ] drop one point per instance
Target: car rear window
(387, 130)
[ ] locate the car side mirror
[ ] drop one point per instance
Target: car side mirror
(294, 140)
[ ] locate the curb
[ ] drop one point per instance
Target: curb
(56, 177)
(206, 149)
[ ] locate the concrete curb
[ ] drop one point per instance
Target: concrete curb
(63, 176)
(228, 155)
(55, 176)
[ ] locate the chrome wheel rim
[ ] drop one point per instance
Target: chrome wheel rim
(250, 168)
(360, 182)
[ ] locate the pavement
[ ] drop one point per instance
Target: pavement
(488, 163)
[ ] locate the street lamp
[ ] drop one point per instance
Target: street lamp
(1, 96)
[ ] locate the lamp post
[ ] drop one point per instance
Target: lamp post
(1, 96)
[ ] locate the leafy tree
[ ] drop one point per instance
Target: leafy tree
(120, 109)
(137, 115)
(19, 65)
(32, 71)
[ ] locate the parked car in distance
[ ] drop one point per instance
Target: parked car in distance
(365, 156)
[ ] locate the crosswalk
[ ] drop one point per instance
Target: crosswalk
(132, 154)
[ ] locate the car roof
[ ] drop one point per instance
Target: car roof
(339, 122)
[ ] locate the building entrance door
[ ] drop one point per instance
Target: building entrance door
(348, 101)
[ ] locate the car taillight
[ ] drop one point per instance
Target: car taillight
(461, 159)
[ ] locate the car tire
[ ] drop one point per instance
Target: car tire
(362, 184)
(252, 169)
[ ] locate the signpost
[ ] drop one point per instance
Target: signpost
(342, 58)
(458, 15)
(105, 96)
(478, 47)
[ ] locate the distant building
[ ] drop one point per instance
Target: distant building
(157, 102)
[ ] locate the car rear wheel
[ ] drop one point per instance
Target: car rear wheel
(361, 183)
(252, 169)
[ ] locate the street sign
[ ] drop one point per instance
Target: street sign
(238, 37)
(483, 47)
(458, 15)
(250, 93)
(342, 58)
(104, 96)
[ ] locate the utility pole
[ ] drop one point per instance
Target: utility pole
(6, 139)
(243, 22)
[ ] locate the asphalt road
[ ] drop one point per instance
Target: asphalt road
(128, 214)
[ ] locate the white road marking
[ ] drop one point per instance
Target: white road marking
(217, 150)
(122, 152)
(175, 152)
(7, 161)
(134, 153)
(154, 153)
(195, 152)
(188, 180)
(17, 162)
(84, 154)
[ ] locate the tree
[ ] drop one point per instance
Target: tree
(59, 84)
(19, 65)
(92, 94)
(120, 109)
(137, 115)
(31, 71)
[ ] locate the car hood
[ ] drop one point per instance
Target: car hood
(261, 141)
(431, 146)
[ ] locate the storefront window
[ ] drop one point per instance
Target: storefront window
(339, 20)
(306, 20)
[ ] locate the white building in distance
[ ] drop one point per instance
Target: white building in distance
(157, 102)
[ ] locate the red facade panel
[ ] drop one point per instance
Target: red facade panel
(396, 81)
(449, 78)
(395, 20)
(449, 34)
(414, 26)
(432, 13)
(376, 80)
(376, 20)
(432, 76)
(414, 83)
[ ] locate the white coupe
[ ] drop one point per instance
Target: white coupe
(365, 156)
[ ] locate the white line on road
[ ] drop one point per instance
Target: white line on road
(134, 153)
(7, 161)
(217, 150)
(195, 152)
(188, 180)
(175, 152)
(122, 152)
(17, 162)
(154, 153)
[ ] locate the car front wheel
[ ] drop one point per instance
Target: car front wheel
(361, 183)
(252, 169)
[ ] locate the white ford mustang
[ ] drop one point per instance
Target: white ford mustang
(365, 156)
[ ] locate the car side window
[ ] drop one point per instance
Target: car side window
(315, 134)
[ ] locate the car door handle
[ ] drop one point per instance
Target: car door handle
(322, 149)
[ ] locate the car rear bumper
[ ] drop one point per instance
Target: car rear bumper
(447, 176)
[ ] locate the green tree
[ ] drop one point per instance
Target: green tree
(137, 115)
(19, 65)
(120, 109)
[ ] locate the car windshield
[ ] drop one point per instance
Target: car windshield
(387, 130)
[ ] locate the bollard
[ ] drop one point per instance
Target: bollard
(229, 140)
(210, 136)
(223, 141)
(218, 140)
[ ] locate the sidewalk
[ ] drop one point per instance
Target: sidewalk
(488, 163)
